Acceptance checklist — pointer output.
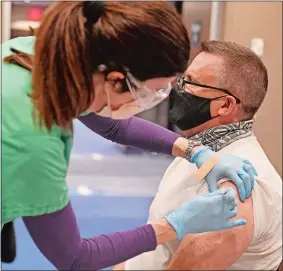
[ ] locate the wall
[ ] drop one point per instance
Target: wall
(1, 18)
(0, 14)
(199, 11)
(244, 21)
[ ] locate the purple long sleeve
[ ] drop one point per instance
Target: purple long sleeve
(133, 132)
(57, 237)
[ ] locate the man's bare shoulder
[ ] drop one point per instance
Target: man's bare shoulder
(216, 250)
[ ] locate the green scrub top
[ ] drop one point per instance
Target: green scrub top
(34, 161)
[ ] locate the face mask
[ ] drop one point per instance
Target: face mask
(125, 111)
(188, 111)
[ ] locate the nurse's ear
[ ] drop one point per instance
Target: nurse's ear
(117, 79)
(117, 90)
(110, 76)
(115, 76)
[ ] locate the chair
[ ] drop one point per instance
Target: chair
(8, 243)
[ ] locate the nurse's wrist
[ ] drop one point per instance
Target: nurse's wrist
(180, 148)
(163, 231)
(197, 153)
(196, 149)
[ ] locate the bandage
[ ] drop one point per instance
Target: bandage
(201, 173)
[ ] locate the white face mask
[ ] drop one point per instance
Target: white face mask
(142, 96)
(125, 111)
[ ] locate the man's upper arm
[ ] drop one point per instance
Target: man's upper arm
(216, 250)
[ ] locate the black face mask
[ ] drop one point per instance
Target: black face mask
(188, 111)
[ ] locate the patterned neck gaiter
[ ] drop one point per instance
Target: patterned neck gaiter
(221, 136)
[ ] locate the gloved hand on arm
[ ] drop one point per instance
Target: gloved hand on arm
(240, 171)
(204, 213)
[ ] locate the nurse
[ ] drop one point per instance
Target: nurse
(114, 60)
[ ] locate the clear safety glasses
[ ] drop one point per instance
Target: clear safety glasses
(146, 97)
(181, 82)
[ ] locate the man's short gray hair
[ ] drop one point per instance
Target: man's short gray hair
(243, 74)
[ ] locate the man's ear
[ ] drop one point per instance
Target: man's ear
(226, 106)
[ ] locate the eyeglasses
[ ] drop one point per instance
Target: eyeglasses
(181, 82)
(145, 96)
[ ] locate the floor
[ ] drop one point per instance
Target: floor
(111, 189)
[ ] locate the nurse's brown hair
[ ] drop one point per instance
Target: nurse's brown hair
(147, 37)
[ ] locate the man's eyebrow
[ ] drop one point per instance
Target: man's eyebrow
(190, 77)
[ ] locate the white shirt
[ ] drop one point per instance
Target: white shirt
(179, 185)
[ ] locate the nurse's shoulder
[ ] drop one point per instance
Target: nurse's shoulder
(17, 106)
(34, 160)
(24, 44)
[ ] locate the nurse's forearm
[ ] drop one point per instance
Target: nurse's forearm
(133, 132)
(57, 237)
(137, 133)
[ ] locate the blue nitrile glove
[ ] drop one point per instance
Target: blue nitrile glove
(240, 171)
(209, 212)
